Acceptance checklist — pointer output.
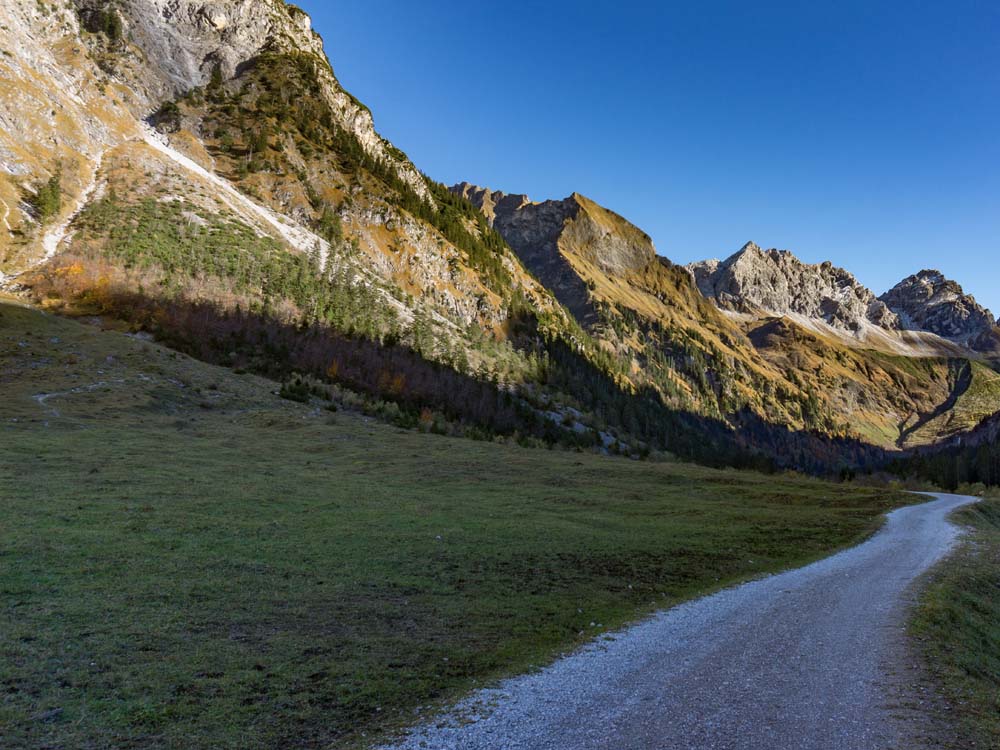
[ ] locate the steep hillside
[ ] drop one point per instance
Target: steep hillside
(206, 170)
(218, 80)
(60, 112)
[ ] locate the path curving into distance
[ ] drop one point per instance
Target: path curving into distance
(806, 659)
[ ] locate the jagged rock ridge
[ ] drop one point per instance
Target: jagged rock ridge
(777, 282)
(931, 302)
(600, 236)
(544, 234)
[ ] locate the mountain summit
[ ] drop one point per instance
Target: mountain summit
(553, 238)
(576, 223)
(775, 281)
(930, 301)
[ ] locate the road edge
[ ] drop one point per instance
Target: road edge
(941, 631)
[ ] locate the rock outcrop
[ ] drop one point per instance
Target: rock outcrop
(931, 302)
(184, 43)
(553, 237)
(778, 283)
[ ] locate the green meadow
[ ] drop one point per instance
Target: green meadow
(189, 561)
(958, 626)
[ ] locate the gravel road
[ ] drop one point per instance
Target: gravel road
(808, 659)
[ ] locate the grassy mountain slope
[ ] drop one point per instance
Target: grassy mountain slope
(300, 216)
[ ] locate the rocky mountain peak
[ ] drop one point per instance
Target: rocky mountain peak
(575, 224)
(491, 201)
(777, 282)
(185, 41)
(932, 302)
(933, 276)
(562, 241)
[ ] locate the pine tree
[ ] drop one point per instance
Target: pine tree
(48, 200)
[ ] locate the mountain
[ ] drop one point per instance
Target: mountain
(208, 180)
(254, 129)
(925, 313)
(778, 283)
(196, 171)
(928, 301)
(758, 336)
(557, 239)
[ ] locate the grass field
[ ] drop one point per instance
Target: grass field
(188, 561)
(958, 626)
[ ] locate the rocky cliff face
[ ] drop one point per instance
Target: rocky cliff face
(79, 79)
(575, 224)
(928, 301)
(553, 237)
(184, 43)
(776, 282)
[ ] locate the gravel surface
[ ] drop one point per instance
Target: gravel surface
(803, 660)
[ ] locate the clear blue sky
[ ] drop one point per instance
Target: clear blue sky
(866, 133)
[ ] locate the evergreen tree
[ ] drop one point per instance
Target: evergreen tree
(48, 199)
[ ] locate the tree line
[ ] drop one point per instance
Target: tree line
(971, 459)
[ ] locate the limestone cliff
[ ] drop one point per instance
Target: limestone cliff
(552, 238)
(928, 301)
(776, 282)
(180, 45)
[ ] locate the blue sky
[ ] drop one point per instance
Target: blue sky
(866, 133)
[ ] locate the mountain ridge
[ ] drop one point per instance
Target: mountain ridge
(930, 301)
(779, 283)
(543, 233)
(208, 172)
(747, 349)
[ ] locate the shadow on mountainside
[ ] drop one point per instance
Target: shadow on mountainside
(960, 373)
(253, 340)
